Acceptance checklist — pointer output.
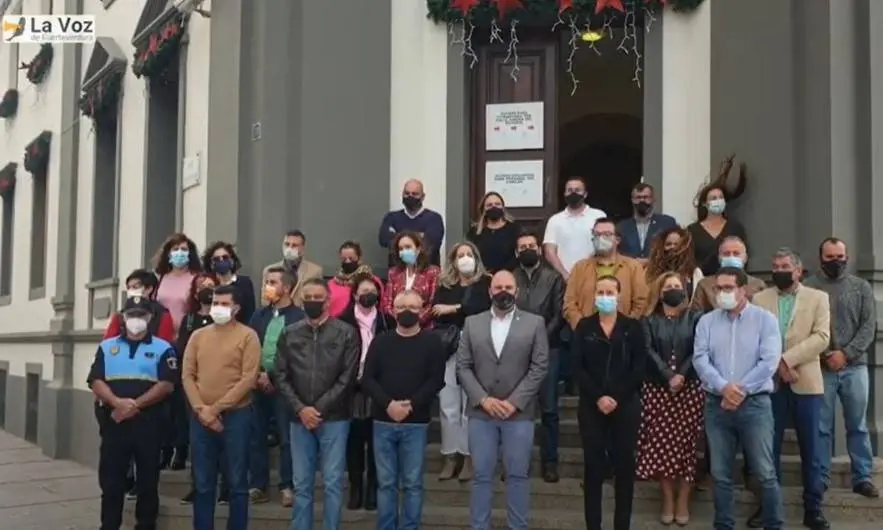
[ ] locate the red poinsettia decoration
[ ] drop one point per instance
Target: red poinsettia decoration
(505, 6)
(463, 6)
(601, 5)
(564, 5)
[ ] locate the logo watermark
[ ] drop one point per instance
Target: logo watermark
(49, 28)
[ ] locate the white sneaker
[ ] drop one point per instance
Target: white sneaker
(287, 498)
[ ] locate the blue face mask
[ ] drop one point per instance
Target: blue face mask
(732, 261)
(408, 255)
(605, 304)
(222, 266)
(179, 258)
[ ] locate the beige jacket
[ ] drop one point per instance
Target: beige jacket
(579, 297)
(305, 271)
(807, 336)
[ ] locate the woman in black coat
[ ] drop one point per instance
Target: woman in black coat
(609, 357)
(363, 313)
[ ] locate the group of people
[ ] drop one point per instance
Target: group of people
(657, 328)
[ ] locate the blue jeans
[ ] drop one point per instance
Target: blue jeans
(328, 443)
(233, 445)
(752, 424)
(266, 406)
(549, 403)
(804, 412)
(486, 437)
(851, 386)
(400, 455)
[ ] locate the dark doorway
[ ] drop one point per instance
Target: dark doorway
(32, 406)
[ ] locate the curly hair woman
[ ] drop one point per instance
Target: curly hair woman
(672, 251)
(411, 271)
(176, 263)
(220, 258)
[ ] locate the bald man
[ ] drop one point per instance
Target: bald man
(414, 218)
(501, 362)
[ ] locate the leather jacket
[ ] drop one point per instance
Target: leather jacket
(542, 293)
(670, 343)
(317, 367)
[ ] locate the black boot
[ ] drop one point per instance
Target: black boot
(371, 493)
(165, 458)
(355, 500)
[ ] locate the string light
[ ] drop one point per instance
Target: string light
(512, 50)
(464, 39)
(496, 32)
(575, 36)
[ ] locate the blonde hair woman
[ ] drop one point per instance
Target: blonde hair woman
(495, 233)
(463, 290)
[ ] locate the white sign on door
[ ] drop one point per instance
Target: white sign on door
(520, 182)
(514, 126)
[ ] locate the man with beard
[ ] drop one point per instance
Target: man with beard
(294, 245)
(414, 218)
(638, 231)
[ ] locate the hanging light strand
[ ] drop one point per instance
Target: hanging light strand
(512, 50)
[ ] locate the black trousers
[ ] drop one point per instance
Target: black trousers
(179, 435)
(614, 435)
(360, 452)
(138, 439)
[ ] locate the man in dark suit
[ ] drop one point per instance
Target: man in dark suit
(637, 232)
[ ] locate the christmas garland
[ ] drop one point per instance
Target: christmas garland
(37, 154)
(102, 97)
(9, 103)
(7, 179)
(540, 12)
(39, 66)
(154, 53)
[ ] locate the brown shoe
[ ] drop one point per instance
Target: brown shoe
(450, 467)
(466, 472)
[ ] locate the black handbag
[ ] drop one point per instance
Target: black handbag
(449, 333)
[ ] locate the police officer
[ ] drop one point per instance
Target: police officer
(130, 377)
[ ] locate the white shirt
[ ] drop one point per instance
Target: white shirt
(500, 330)
(572, 234)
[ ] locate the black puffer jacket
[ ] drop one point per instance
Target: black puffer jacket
(670, 342)
(317, 367)
(542, 293)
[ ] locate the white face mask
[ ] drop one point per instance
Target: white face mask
(466, 265)
(726, 301)
(221, 314)
(135, 293)
(603, 245)
(291, 253)
(136, 325)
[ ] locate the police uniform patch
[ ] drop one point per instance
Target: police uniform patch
(114, 350)
(172, 362)
(149, 354)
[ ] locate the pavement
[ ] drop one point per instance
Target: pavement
(39, 493)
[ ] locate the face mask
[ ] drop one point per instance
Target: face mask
(717, 206)
(643, 208)
(136, 325)
(605, 304)
(407, 319)
(179, 258)
(574, 199)
(205, 296)
(673, 297)
(271, 294)
(834, 268)
(368, 300)
(494, 214)
(221, 314)
(314, 308)
(466, 265)
(602, 245)
(528, 258)
(732, 261)
(222, 266)
(503, 300)
(408, 255)
(783, 280)
(135, 293)
(412, 204)
(726, 301)
(348, 267)
(291, 253)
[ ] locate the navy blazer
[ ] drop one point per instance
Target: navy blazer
(630, 243)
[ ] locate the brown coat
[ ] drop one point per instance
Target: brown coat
(305, 271)
(703, 295)
(579, 298)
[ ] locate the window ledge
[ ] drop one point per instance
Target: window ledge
(102, 284)
(37, 294)
(5, 300)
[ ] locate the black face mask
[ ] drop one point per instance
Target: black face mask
(834, 268)
(574, 199)
(643, 208)
(314, 308)
(674, 297)
(494, 214)
(783, 280)
(412, 203)
(503, 300)
(348, 267)
(368, 300)
(528, 258)
(408, 319)
(205, 296)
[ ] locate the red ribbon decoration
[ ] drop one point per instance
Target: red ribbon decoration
(564, 5)
(504, 6)
(601, 5)
(463, 6)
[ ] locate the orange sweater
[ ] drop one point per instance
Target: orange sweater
(221, 366)
(579, 298)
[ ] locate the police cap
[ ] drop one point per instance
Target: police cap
(136, 305)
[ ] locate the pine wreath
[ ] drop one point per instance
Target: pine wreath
(102, 97)
(39, 66)
(538, 12)
(37, 154)
(9, 103)
(156, 51)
